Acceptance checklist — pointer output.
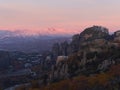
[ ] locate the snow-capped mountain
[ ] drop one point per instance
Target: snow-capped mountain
(20, 41)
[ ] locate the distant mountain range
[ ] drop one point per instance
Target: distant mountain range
(18, 41)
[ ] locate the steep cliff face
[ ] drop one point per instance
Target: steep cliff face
(56, 50)
(91, 39)
(74, 45)
(89, 52)
(64, 48)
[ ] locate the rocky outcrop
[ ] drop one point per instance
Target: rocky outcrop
(89, 52)
(56, 50)
(74, 45)
(59, 72)
(105, 64)
(64, 48)
(94, 32)
(60, 49)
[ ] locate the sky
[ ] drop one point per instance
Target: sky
(58, 16)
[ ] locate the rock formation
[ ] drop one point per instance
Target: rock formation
(90, 55)
(91, 51)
